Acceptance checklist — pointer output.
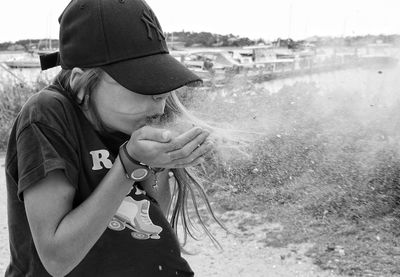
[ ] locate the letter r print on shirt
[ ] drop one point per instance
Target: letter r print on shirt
(100, 157)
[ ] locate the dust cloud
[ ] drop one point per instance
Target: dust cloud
(360, 103)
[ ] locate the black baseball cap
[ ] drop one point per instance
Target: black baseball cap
(125, 39)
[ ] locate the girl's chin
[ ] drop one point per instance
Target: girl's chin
(129, 131)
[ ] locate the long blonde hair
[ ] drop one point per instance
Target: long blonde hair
(189, 190)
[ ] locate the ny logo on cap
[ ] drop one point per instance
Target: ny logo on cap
(151, 22)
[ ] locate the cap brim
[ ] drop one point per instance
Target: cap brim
(151, 75)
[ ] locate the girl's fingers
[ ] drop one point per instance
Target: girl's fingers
(189, 148)
(197, 161)
(180, 141)
(197, 154)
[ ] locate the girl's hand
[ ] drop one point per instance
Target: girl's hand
(161, 148)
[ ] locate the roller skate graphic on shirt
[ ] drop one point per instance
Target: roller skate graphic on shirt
(134, 215)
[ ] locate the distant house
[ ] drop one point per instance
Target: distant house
(15, 47)
(175, 45)
(218, 44)
(197, 45)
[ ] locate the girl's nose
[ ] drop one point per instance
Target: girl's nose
(160, 97)
(159, 102)
(159, 106)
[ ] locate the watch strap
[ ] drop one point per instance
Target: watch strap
(132, 166)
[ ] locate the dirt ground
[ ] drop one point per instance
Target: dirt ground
(243, 254)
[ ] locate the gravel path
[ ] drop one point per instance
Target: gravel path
(244, 255)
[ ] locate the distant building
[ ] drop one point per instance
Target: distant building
(175, 45)
(15, 47)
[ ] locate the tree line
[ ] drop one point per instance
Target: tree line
(207, 39)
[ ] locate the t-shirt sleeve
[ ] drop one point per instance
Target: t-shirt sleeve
(40, 150)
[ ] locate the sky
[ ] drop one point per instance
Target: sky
(255, 19)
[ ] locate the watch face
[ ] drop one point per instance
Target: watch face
(139, 174)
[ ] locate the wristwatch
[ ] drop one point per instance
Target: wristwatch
(134, 169)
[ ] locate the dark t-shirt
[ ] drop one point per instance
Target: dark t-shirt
(52, 133)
